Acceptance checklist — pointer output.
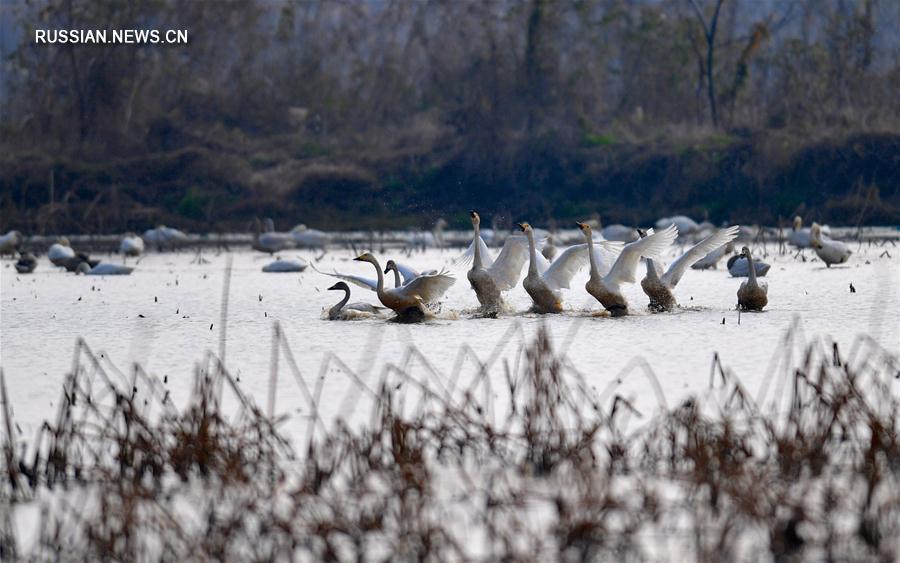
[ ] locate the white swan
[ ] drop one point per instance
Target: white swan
(269, 240)
(423, 240)
(618, 232)
(752, 295)
(829, 251)
(544, 280)
(285, 266)
(304, 237)
(800, 236)
(659, 287)
(165, 236)
(605, 287)
(739, 267)
(489, 278)
(712, 259)
(60, 252)
(131, 245)
(408, 300)
(10, 242)
(342, 311)
(104, 269)
(686, 225)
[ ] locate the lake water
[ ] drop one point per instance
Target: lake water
(166, 315)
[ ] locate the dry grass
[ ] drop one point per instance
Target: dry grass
(443, 470)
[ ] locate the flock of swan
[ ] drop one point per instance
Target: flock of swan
(613, 257)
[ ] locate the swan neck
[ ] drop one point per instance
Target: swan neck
(651, 270)
(340, 304)
(591, 257)
(379, 289)
(752, 270)
(397, 282)
(476, 261)
(532, 253)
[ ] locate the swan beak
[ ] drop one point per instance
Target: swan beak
(360, 258)
(335, 286)
(521, 226)
(386, 270)
(580, 225)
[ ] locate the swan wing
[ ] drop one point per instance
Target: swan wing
(506, 269)
(561, 271)
(359, 281)
(407, 273)
(466, 257)
(651, 246)
(429, 288)
(697, 252)
(605, 254)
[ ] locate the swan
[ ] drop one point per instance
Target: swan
(60, 252)
(26, 263)
(408, 273)
(408, 300)
(163, 235)
(829, 251)
(131, 245)
(604, 285)
(752, 294)
(424, 240)
(712, 259)
(342, 311)
(285, 266)
(738, 267)
(544, 280)
(686, 225)
(489, 277)
(801, 236)
(270, 241)
(549, 250)
(619, 232)
(103, 269)
(659, 287)
(304, 237)
(10, 242)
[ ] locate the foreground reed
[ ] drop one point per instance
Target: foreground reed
(544, 468)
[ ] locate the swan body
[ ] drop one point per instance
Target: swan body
(285, 266)
(658, 287)
(103, 269)
(619, 232)
(738, 267)
(304, 237)
(60, 252)
(490, 278)
(131, 245)
(26, 263)
(408, 300)
(712, 259)
(164, 236)
(268, 240)
(10, 242)
(605, 287)
(544, 280)
(829, 251)
(752, 295)
(343, 311)
(801, 236)
(685, 225)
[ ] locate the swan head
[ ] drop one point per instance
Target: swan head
(365, 257)
(83, 268)
(339, 286)
(745, 252)
(641, 233)
(798, 222)
(63, 241)
(391, 265)
(476, 219)
(585, 228)
(524, 227)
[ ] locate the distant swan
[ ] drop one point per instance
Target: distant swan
(801, 236)
(619, 232)
(26, 263)
(304, 237)
(104, 269)
(408, 300)
(270, 241)
(752, 294)
(131, 245)
(659, 287)
(285, 266)
(342, 311)
(829, 251)
(738, 267)
(544, 280)
(60, 252)
(489, 277)
(605, 286)
(10, 242)
(685, 225)
(163, 236)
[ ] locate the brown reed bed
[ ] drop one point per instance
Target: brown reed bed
(451, 469)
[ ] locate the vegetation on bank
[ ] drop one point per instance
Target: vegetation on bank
(396, 112)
